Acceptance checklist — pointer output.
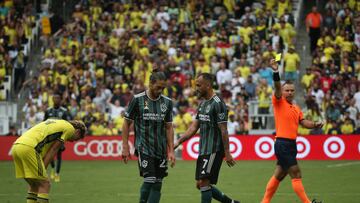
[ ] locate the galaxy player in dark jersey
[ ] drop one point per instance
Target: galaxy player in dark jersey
(151, 113)
(211, 119)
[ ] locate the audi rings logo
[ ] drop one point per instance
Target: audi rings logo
(303, 147)
(235, 147)
(193, 147)
(264, 147)
(334, 147)
(100, 148)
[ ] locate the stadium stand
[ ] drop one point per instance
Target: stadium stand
(106, 51)
(332, 82)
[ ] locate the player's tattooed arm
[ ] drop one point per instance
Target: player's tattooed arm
(170, 143)
(225, 138)
(194, 127)
(125, 137)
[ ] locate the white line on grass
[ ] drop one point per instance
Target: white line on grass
(343, 164)
(188, 195)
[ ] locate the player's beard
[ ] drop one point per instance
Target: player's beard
(199, 94)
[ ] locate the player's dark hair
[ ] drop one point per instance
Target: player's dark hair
(157, 75)
(208, 77)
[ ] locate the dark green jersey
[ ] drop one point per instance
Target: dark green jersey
(150, 117)
(210, 113)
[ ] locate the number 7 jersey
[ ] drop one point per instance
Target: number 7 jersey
(210, 113)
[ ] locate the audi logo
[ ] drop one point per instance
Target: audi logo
(100, 148)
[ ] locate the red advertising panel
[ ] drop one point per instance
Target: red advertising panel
(315, 147)
(89, 148)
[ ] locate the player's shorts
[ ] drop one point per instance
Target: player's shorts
(152, 169)
(28, 163)
(208, 166)
(285, 151)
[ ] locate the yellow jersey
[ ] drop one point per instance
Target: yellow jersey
(43, 134)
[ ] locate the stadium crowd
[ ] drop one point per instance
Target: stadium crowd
(17, 18)
(332, 83)
(107, 51)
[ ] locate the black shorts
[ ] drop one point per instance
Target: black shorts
(208, 166)
(285, 151)
(152, 169)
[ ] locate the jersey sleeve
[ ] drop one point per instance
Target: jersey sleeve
(132, 109)
(68, 132)
(67, 115)
(301, 115)
(221, 113)
(169, 114)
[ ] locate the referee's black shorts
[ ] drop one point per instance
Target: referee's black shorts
(285, 151)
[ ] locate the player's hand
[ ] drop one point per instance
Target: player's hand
(274, 65)
(171, 159)
(318, 124)
(125, 153)
(229, 159)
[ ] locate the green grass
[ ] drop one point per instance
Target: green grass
(113, 181)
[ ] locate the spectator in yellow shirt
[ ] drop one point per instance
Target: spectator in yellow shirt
(347, 127)
(307, 79)
(292, 63)
(182, 121)
(243, 68)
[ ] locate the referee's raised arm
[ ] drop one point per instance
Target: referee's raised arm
(276, 78)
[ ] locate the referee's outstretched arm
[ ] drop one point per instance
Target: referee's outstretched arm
(276, 77)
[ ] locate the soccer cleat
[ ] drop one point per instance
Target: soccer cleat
(52, 174)
(316, 201)
(57, 178)
(235, 201)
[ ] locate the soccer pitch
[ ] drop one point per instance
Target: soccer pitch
(113, 181)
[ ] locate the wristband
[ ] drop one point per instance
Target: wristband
(276, 76)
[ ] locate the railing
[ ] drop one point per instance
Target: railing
(260, 123)
(8, 115)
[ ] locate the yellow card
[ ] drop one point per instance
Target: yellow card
(278, 57)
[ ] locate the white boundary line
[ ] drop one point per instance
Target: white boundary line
(343, 164)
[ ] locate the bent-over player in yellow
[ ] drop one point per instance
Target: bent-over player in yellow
(33, 151)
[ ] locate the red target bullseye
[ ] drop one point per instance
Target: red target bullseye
(303, 147)
(334, 147)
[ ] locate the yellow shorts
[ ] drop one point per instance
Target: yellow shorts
(28, 163)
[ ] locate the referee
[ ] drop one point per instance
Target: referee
(57, 112)
(288, 116)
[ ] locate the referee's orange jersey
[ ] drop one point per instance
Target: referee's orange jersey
(287, 118)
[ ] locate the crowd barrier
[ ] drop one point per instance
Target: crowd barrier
(316, 147)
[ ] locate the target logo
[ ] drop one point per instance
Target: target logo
(264, 147)
(235, 147)
(193, 147)
(303, 147)
(334, 147)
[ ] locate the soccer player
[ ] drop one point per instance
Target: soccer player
(58, 112)
(288, 116)
(212, 119)
(33, 151)
(151, 113)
